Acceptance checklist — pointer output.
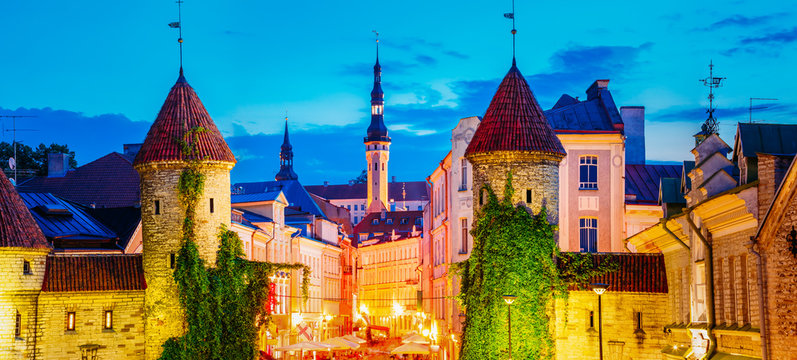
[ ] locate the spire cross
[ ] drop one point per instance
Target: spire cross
(377, 43)
(179, 26)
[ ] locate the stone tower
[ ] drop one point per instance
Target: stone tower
(23, 257)
(159, 164)
(515, 136)
(377, 146)
(286, 159)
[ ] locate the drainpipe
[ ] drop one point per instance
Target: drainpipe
(761, 299)
(709, 286)
(664, 226)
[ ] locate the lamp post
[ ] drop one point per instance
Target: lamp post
(599, 289)
(509, 299)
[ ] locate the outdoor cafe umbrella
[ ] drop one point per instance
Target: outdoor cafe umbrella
(306, 345)
(341, 343)
(355, 339)
(411, 348)
(415, 338)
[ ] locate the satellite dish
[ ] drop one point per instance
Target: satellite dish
(12, 164)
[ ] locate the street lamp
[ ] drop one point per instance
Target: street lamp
(599, 288)
(509, 299)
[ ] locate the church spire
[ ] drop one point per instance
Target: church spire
(286, 158)
(377, 131)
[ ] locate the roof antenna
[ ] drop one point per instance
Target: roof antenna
(758, 107)
(179, 26)
(514, 31)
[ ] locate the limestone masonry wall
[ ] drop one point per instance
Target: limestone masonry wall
(623, 338)
(162, 233)
(124, 341)
(18, 294)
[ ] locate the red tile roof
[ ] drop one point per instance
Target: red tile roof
(108, 182)
(94, 273)
(17, 227)
(644, 273)
(514, 121)
(181, 112)
(415, 190)
(382, 231)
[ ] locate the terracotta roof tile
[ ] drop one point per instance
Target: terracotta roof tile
(17, 227)
(514, 121)
(181, 112)
(644, 273)
(415, 190)
(382, 230)
(94, 273)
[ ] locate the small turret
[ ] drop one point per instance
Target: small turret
(377, 145)
(286, 159)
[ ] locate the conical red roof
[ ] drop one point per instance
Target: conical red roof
(181, 112)
(514, 121)
(17, 227)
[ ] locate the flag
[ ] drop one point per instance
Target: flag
(509, 15)
(174, 25)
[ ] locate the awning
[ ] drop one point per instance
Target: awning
(726, 356)
(377, 327)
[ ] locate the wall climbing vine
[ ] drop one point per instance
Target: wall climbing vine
(224, 305)
(515, 253)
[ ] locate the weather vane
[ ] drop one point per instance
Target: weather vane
(377, 43)
(711, 125)
(179, 26)
(514, 31)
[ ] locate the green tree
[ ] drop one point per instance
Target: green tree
(34, 159)
(362, 179)
(515, 253)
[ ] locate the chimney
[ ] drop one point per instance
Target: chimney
(57, 165)
(131, 150)
(326, 183)
(634, 129)
(393, 178)
(594, 90)
(384, 214)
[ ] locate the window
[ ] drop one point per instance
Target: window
(638, 321)
(588, 234)
(26, 267)
(211, 205)
(588, 172)
(70, 321)
(464, 224)
(528, 196)
(420, 207)
(375, 222)
(171, 261)
(405, 221)
(592, 320)
(464, 181)
(376, 166)
(107, 322)
(157, 207)
(18, 325)
(418, 221)
(389, 221)
(355, 207)
(349, 207)
(383, 166)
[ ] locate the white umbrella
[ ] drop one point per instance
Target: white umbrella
(355, 339)
(411, 348)
(415, 338)
(341, 343)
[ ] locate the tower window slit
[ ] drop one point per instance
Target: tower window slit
(157, 207)
(211, 205)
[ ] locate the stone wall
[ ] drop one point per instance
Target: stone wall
(18, 294)
(781, 286)
(162, 238)
(530, 171)
(679, 275)
(622, 339)
(124, 341)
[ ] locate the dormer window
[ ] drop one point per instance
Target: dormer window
(405, 221)
(418, 221)
(389, 221)
(375, 222)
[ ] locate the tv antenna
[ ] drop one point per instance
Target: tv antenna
(514, 31)
(759, 107)
(12, 163)
(711, 125)
(179, 26)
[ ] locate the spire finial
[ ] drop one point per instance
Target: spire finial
(514, 31)
(377, 44)
(179, 26)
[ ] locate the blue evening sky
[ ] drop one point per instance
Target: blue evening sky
(96, 72)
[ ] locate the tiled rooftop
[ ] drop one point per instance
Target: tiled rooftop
(17, 227)
(94, 273)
